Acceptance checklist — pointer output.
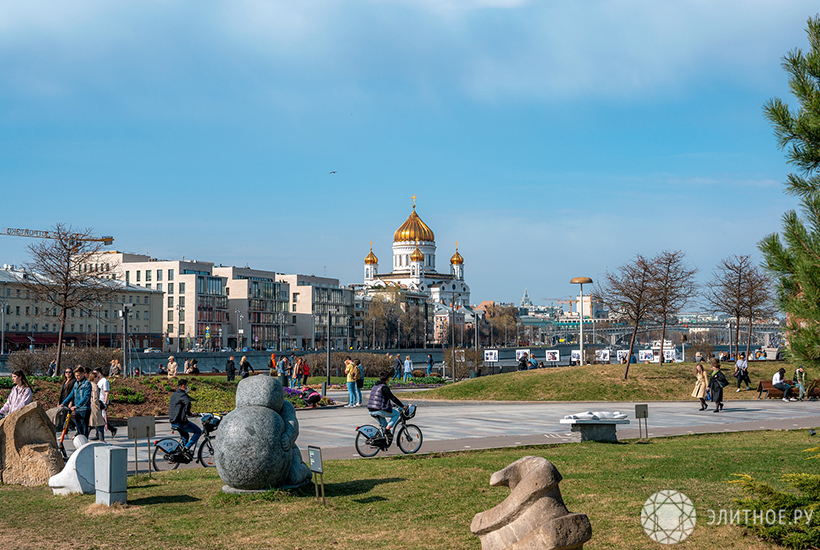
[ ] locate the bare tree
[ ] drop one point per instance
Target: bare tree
(757, 299)
(630, 293)
(674, 286)
(59, 275)
(727, 291)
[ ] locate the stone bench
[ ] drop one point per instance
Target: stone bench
(598, 429)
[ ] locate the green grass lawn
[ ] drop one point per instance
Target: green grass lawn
(668, 382)
(413, 502)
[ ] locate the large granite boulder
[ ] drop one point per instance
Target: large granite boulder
(28, 449)
(255, 447)
(533, 516)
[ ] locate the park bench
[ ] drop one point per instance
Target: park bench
(595, 429)
(774, 393)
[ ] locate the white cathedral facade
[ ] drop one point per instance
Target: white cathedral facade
(414, 266)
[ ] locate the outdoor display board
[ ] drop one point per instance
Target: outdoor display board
(669, 355)
(553, 355)
(575, 355)
(520, 352)
(621, 354)
(491, 356)
(645, 355)
(602, 355)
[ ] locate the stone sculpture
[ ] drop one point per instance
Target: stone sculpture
(598, 415)
(533, 516)
(28, 449)
(78, 474)
(255, 447)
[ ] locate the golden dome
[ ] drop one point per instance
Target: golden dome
(417, 255)
(414, 229)
(456, 259)
(371, 258)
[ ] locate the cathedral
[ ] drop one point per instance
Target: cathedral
(414, 266)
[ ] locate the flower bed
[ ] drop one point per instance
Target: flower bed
(295, 397)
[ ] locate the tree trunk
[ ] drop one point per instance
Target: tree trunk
(631, 346)
(737, 338)
(663, 337)
(749, 338)
(60, 339)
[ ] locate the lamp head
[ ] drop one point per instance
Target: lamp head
(580, 280)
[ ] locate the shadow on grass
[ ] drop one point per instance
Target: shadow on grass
(169, 499)
(357, 486)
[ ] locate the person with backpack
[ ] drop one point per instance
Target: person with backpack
(230, 369)
(380, 401)
(359, 381)
(352, 373)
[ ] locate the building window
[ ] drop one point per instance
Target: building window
(138, 276)
(159, 287)
(181, 315)
(170, 301)
(170, 315)
(159, 274)
(170, 327)
(28, 309)
(145, 300)
(137, 314)
(181, 287)
(181, 330)
(182, 301)
(170, 274)
(170, 288)
(148, 285)
(294, 307)
(147, 275)
(127, 276)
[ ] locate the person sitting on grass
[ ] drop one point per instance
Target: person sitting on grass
(379, 403)
(311, 397)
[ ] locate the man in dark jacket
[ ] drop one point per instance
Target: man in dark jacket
(230, 369)
(178, 412)
(397, 367)
(379, 403)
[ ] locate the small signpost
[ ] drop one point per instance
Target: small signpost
(642, 411)
(141, 426)
(315, 460)
(491, 356)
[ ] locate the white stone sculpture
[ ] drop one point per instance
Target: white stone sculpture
(78, 474)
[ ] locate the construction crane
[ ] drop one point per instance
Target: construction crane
(39, 234)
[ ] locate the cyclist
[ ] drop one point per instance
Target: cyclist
(178, 412)
(379, 403)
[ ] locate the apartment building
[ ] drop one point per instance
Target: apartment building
(319, 297)
(26, 321)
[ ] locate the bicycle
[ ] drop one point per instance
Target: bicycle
(371, 439)
(169, 452)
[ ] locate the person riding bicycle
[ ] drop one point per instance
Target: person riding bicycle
(379, 403)
(178, 412)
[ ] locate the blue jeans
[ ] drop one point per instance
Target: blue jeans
(397, 373)
(81, 421)
(358, 394)
(383, 416)
(296, 383)
(183, 430)
(429, 369)
(351, 393)
(407, 375)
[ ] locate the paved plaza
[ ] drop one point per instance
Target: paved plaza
(454, 426)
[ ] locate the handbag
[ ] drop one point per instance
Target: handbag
(101, 405)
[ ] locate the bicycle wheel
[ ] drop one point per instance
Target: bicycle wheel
(206, 453)
(163, 457)
(364, 448)
(409, 439)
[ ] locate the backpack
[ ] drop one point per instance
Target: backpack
(354, 374)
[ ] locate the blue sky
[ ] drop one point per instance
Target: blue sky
(551, 139)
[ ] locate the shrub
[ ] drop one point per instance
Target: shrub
(373, 363)
(32, 362)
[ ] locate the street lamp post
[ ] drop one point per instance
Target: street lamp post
(581, 281)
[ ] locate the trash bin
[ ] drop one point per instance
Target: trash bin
(473, 373)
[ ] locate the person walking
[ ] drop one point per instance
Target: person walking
(65, 390)
(245, 368)
(799, 382)
(779, 382)
(701, 383)
(95, 419)
(359, 381)
(296, 375)
(742, 371)
(20, 395)
(305, 371)
(230, 369)
(429, 364)
(397, 367)
(408, 368)
(104, 397)
(716, 385)
(272, 365)
(352, 373)
(282, 371)
(79, 401)
(172, 367)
